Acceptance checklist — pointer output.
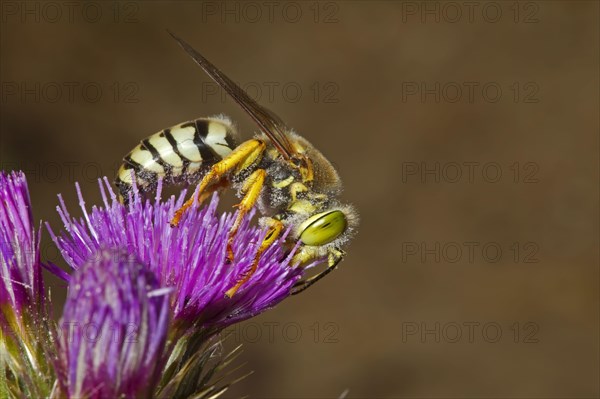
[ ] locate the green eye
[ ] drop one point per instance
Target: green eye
(323, 228)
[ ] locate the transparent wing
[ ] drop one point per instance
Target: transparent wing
(269, 123)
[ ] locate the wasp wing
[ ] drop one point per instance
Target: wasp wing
(267, 121)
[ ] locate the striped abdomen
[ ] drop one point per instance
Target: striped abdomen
(177, 154)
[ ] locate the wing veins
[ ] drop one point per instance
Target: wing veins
(268, 122)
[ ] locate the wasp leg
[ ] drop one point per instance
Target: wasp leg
(251, 190)
(275, 229)
(210, 190)
(240, 158)
(334, 258)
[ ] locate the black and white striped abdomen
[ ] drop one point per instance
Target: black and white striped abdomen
(178, 154)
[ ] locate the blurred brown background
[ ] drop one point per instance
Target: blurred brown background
(467, 137)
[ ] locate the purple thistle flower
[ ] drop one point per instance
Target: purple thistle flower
(25, 334)
(191, 257)
(21, 285)
(114, 329)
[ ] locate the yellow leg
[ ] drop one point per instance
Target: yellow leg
(241, 157)
(209, 191)
(334, 258)
(275, 229)
(251, 190)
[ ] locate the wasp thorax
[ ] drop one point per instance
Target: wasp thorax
(297, 161)
(323, 228)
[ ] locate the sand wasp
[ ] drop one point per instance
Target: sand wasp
(289, 180)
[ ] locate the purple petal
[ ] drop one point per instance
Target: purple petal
(113, 329)
(21, 282)
(190, 257)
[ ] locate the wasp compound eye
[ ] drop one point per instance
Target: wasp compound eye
(323, 228)
(207, 151)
